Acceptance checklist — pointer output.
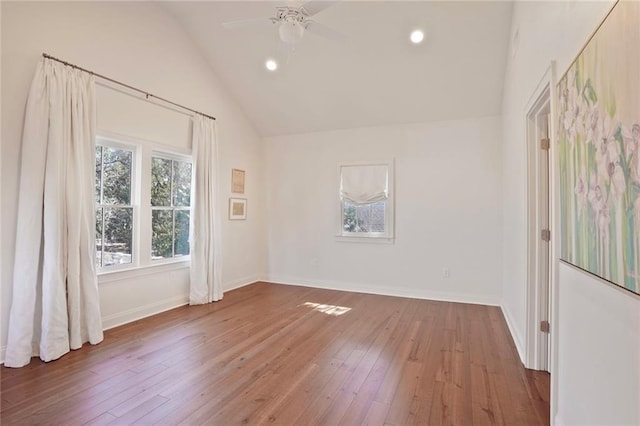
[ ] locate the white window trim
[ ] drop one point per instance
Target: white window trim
(386, 237)
(141, 252)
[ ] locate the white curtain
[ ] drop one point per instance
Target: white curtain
(55, 305)
(364, 184)
(205, 222)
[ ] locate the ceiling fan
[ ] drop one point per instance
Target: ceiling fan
(293, 22)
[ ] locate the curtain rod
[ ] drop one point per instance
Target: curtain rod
(146, 94)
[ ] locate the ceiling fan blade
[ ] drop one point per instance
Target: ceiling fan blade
(255, 22)
(315, 6)
(324, 31)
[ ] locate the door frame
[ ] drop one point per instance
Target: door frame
(539, 347)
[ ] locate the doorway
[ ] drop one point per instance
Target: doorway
(539, 231)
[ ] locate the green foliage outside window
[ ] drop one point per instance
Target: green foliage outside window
(114, 216)
(170, 201)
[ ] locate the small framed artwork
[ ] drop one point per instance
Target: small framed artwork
(237, 208)
(237, 181)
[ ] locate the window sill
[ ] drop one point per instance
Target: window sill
(105, 277)
(366, 239)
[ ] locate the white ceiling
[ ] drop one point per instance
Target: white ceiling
(377, 77)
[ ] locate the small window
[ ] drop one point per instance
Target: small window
(170, 207)
(366, 200)
(114, 207)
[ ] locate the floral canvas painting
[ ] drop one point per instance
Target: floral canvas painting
(598, 136)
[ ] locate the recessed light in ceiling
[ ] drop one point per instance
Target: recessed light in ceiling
(417, 36)
(271, 65)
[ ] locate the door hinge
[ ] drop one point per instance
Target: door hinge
(545, 234)
(544, 326)
(545, 144)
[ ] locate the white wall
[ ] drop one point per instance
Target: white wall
(599, 358)
(447, 212)
(140, 44)
(586, 379)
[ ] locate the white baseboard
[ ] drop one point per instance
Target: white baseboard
(517, 338)
(124, 317)
(135, 314)
(3, 353)
(387, 291)
(232, 285)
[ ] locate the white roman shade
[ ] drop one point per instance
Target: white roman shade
(364, 184)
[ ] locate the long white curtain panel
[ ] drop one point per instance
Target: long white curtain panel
(205, 221)
(55, 302)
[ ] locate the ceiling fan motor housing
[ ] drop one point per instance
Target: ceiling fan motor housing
(292, 24)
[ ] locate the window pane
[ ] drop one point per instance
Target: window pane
(160, 182)
(349, 217)
(181, 183)
(182, 233)
(98, 238)
(98, 172)
(366, 218)
(116, 175)
(363, 218)
(377, 216)
(162, 234)
(118, 236)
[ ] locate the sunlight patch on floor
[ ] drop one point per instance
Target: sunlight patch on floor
(327, 309)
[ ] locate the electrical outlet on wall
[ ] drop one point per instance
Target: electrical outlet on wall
(446, 272)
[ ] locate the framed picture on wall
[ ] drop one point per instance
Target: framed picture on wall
(237, 208)
(599, 152)
(237, 181)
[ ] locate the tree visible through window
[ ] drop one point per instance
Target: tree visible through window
(364, 218)
(114, 210)
(170, 211)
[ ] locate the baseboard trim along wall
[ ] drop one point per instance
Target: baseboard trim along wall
(241, 282)
(125, 317)
(386, 291)
(517, 339)
(130, 315)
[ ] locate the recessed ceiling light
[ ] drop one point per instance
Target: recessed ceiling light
(417, 36)
(271, 65)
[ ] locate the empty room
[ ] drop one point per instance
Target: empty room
(320, 212)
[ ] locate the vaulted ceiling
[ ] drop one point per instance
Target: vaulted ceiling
(375, 77)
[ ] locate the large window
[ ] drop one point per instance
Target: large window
(170, 207)
(143, 204)
(366, 200)
(114, 207)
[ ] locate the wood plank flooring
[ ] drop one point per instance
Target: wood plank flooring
(287, 355)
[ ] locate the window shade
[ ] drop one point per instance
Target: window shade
(364, 184)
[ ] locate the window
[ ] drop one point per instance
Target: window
(114, 207)
(366, 200)
(170, 207)
(143, 204)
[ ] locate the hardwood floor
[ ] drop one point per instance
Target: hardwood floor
(274, 354)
